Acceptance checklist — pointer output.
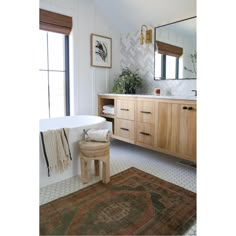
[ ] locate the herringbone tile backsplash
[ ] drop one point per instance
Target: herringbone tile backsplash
(141, 57)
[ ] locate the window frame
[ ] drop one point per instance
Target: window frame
(67, 76)
(164, 67)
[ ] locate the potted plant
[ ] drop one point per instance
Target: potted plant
(193, 58)
(127, 82)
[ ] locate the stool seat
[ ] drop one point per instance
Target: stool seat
(97, 151)
(93, 145)
(94, 149)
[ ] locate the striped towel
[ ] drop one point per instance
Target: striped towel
(56, 149)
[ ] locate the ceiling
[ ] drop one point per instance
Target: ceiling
(129, 15)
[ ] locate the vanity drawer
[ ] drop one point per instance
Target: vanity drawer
(145, 133)
(145, 111)
(125, 129)
(125, 109)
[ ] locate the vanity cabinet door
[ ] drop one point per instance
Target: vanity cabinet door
(187, 132)
(176, 129)
(167, 126)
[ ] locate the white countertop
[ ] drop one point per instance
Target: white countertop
(152, 96)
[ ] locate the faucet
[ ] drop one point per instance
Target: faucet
(194, 90)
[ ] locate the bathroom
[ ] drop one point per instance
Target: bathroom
(87, 81)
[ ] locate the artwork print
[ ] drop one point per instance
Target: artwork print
(101, 51)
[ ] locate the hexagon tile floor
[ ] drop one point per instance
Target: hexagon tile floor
(123, 156)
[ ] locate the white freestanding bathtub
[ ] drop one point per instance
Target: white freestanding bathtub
(76, 124)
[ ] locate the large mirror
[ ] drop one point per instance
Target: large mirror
(175, 50)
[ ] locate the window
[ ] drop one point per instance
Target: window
(54, 64)
(54, 101)
(168, 60)
(167, 67)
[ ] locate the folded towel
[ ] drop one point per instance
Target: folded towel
(108, 107)
(110, 112)
(98, 135)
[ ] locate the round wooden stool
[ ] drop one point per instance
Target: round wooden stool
(97, 151)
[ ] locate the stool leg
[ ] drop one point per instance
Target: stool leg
(97, 167)
(106, 171)
(84, 170)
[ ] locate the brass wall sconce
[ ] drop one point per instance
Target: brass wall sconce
(148, 38)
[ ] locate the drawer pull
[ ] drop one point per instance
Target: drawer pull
(145, 133)
(187, 108)
(125, 129)
(146, 112)
(124, 109)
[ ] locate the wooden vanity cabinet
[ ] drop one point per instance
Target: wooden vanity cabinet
(176, 129)
(165, 125)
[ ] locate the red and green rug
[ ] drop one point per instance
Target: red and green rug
(133, 203)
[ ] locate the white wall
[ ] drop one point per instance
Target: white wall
(86, 81)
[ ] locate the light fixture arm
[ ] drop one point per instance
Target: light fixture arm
(148, 34)
(142, 28)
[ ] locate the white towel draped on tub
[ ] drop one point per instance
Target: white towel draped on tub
(56, 149)
(99, 135)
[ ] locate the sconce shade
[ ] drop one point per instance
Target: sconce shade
(149, 36)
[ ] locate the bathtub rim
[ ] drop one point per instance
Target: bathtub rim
(70, 122)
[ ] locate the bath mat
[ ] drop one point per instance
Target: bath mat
(133, 203)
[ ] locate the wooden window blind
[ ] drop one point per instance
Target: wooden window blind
(54, 22)
(168, 49)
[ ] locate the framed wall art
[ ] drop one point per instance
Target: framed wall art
(101, 51)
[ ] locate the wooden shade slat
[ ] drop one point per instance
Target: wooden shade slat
(54, 22)
(168, 49)
(55, 28)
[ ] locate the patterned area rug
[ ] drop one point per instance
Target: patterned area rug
(133, 203)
